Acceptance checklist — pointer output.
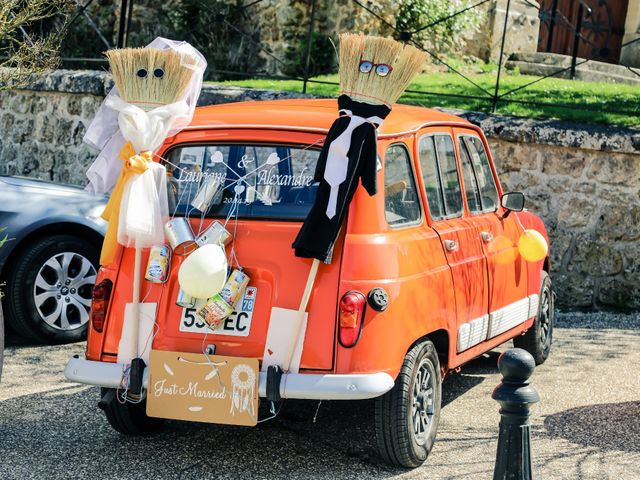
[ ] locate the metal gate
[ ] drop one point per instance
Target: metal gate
(598, 23)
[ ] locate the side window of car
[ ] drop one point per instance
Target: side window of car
(449, 174)
(401, 204)
(484, 176)
(431, 177)
(471, 189)
(440, 176)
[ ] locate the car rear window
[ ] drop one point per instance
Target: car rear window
(271, 181)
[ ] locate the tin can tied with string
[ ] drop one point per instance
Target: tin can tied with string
(215, 234)
(158, 264)
(220, 306)
(180, 236)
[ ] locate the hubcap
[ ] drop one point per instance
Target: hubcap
(422, 408)
(62, 291)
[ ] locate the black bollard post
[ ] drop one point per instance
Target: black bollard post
(515, 394)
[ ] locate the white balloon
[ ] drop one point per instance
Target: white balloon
(204, 272)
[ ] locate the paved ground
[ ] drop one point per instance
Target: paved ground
(587, 425)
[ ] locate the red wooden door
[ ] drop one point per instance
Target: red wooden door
(601, 32)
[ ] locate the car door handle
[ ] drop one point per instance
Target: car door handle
(486, 236)
(451, 245)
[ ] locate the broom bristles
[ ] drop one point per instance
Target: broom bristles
(150, 91)
(406, 60)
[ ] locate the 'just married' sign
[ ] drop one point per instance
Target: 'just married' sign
(200, 388)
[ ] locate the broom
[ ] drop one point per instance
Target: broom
(152, 80)
(374, 71)
(373, 87)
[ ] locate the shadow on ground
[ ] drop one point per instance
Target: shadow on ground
(339, 444)
(471, 375)
(15, 341)
(608, 426)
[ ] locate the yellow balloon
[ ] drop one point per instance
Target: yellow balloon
(204, 272)
(532, 246)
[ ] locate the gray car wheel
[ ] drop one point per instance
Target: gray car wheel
(49, 289)
(62, 290)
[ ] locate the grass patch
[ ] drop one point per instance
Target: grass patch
(603, 100)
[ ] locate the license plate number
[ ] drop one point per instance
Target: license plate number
(238, 324)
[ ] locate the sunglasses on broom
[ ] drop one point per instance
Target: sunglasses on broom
(381, 69)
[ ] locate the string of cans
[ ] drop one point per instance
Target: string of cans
(182, 241)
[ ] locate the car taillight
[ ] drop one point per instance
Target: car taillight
(351, 314)
(100, 303)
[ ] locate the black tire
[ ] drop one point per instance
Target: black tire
(1, 342)
(538, 339)
(129, 418)
(21, 311)
(397, 440)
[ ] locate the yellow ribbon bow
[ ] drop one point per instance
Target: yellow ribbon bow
(133, 164)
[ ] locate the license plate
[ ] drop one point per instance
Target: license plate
(201, 388)
(237, 324)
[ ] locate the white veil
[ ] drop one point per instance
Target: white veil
(105, 134)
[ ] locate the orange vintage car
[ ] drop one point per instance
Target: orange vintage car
(426, 275)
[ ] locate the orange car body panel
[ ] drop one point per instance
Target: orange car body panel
(429, 288)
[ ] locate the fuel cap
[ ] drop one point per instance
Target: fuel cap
(378, 299)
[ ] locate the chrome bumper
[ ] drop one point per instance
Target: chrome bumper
(307, 386)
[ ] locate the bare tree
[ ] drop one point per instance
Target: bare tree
(30, 36)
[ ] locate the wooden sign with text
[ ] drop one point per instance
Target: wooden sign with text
(201, 388)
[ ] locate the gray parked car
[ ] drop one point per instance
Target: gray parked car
(49, 266)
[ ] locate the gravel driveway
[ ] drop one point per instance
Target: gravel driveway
(587, 425)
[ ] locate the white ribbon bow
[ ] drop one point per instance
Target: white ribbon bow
(335, 172)
(147, 130)
(144, 207)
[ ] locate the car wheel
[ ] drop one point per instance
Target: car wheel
(537, 340)
(1, 342)
(128, 418)
(407, 417)
(49, 289)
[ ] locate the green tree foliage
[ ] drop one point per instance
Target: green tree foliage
(322, 55)
(223, 30)
(446, 36)
(30, 36)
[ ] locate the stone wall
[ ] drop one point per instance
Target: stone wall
(630, 53)
(582, 180)
(41, 128)
(522, 29)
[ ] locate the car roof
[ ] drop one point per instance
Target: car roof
(311, 115)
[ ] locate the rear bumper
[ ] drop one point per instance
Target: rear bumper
(304, 386)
